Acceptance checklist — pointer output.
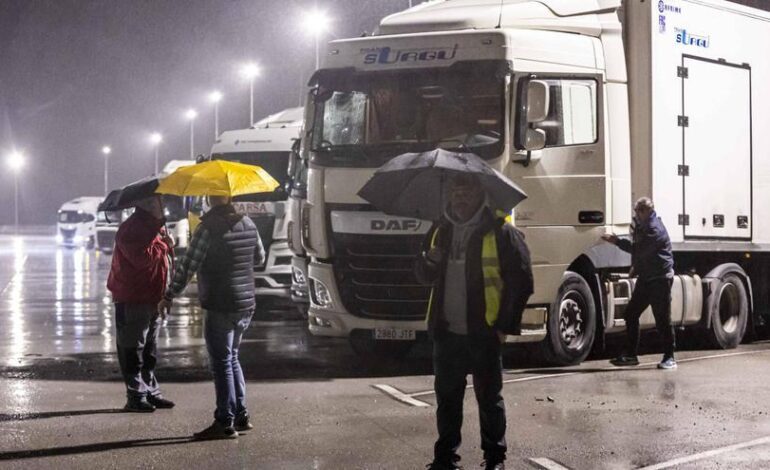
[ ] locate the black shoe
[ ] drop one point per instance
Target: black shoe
(216, 431)
(625, 360)
(159, 402)
(439, 465)
(242, 423)
(138, 405)
(493, 465)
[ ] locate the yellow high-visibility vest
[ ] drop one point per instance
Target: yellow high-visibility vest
(493, 281)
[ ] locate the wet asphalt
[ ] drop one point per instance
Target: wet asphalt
(316, 405)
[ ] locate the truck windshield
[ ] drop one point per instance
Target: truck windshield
(364, 119)
(275, 163)
(74, 217)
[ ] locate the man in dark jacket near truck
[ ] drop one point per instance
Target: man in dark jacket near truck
(653, 262)
(223, 251)
(480, 270)
(137, 280)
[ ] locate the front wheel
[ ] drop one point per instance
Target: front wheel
(571, 322)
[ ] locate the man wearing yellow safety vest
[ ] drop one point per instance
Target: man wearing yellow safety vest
(479, 267)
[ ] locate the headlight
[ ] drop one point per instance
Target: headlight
(299, 276)
(319, 294)
(78, 239)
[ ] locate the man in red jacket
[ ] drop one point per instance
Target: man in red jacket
(138, 278)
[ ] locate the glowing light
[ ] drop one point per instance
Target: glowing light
(250, 70)
(215, 96)
(15, 161)
(316, 22)
(191, 114)
(106, 150)
(156, 138)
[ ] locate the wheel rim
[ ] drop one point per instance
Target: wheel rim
(729, 307)
(572, 320)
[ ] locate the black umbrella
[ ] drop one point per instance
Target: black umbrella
(129, 195)
(414, 184)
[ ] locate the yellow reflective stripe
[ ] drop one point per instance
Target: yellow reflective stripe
(493, 282)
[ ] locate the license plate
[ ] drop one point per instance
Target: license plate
(394, 334)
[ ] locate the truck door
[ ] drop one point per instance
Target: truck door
(716, 160)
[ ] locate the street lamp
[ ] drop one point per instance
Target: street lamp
(249, 72)
(215, 97)
(106, 150)
(15, 162)
(155, 139)
(316, 23)
(191, 114)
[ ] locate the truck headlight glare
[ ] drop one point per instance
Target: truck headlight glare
(299, 276)
(320, 294)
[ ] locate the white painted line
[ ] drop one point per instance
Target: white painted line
(397, 394)
(707, 454)
(547, 464)
(643, 365)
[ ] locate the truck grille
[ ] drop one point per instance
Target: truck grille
(375, 276)
(67, 234)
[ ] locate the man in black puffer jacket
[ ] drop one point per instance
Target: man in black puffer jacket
(653, 262)
(223, 251)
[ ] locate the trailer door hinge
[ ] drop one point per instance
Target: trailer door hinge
(683, 170)
(684, 219)
(682, 72)
(683, 121)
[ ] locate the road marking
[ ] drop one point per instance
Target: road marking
(707, 454)
(547, 464)
(397, 394)
(409, 398)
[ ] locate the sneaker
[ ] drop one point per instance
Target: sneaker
(138, 405)
(216, 431)
(242, 423)
(624, 360)
(667, 363)
(159, 402)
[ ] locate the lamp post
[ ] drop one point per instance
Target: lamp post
(156, 138)
(215, 97)
(316, 23)
(191, 114)
(106, 150)
(249, 72)
(15, 162)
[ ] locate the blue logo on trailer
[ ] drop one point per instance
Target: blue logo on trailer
(663, 8)
(686, 38)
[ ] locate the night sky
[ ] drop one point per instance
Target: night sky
(79, 74)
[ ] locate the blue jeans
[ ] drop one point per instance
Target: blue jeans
(223, 332)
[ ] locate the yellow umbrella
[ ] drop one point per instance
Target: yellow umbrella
(217, 178)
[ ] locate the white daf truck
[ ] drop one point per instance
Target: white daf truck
(76, 222)
(586, 105)
(268, 143)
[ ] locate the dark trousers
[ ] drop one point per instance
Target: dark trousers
(223, 332)
(454, 356)
(655, 293)
(137, 327)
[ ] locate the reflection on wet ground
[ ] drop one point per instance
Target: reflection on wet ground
(58, 323)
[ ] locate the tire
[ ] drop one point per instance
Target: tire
(571, 322)
(367, 347)
(728, 310)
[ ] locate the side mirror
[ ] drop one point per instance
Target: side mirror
(538, 100)
(534, 139)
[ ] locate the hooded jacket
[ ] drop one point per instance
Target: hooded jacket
(650, 248)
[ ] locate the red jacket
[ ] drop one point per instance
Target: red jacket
(140, 262)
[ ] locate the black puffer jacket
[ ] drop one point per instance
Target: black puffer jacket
(515, 269)
(650, 248)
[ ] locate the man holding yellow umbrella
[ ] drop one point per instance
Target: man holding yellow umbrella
(223, 251)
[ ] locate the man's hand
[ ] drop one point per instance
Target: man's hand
(501, 336)
(610, 238)
(164, 308)
(435, 255)
(168, 239)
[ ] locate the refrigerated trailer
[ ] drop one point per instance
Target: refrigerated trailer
(587, 105)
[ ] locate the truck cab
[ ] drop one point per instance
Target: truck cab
(76, 222)
(268, 144)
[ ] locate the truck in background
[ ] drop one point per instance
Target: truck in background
(554, 94)
(76, 222)
(297, 197)
(107, 224)
(268, 143)
(175, 209)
